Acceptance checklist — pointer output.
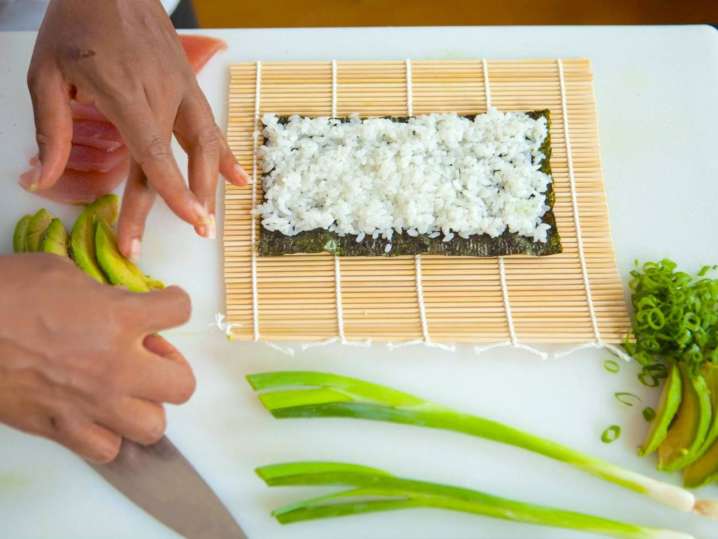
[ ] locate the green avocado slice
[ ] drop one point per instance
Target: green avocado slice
(55, 239)
(705, 469)
(668, 405)
(688, 432)
(36, 228)
(118, 269)
(82, 237)
(19, 236)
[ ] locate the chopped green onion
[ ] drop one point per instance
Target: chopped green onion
(611, 366)
(371, 490)
(301, 394)
(611, 434)
(628, 399)
(647, 379)
(675, 318)
(648, 413)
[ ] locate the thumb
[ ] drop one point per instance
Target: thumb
(53, 128)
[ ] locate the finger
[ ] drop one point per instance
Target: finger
(136, 205)
(162, 347)
(157, 310)
(159, 379)
(53, 128)
(89, 440)
(149, 144)
(197, 133)
(139, 420)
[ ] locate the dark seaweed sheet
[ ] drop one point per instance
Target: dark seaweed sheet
(273, 243)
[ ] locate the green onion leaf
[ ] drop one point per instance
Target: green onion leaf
(648, 413)
(371, 490)
(611, 434)
(301, 394)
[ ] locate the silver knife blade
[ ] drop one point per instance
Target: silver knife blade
(160, 480)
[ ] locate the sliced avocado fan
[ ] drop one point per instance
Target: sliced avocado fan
(19, 237)
(55, 239)
(82, 237)
(118, 269)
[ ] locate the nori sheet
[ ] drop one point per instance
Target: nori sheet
(274, 243)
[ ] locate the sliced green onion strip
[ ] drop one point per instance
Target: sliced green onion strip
(302, 394)
(611, 366)
(626, 398)
(611, 434)
(371, 490)
(648, 413)
(648, 379)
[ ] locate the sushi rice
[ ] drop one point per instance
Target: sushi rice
(435, 175)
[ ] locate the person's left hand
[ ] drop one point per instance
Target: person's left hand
(124, 57)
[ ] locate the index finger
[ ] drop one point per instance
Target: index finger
(149, 144)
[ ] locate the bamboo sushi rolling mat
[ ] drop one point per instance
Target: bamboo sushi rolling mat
(573, 297)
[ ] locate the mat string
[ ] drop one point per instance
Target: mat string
(255, 137)
(598, 342)
(417, 259)
(337, 264)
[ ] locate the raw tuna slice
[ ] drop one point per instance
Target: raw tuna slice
(76, 187)
(199, 49)
(99, 159)
(101, 135)
(87, 159)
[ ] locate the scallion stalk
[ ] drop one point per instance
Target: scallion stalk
(303, 394)
(374, 490)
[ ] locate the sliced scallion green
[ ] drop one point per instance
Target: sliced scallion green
(611, 434)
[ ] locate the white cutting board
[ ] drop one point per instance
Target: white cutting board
(656, 89)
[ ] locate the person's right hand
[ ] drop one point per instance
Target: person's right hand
(80, 362)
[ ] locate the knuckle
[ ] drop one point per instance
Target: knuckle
(106, 451)
(156, 149)
(207, 139)
(154, 426)
(186, 388)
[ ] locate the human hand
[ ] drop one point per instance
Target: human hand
(80, 363)
(124, 57)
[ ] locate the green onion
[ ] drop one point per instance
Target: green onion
(647, 379)
(675, 318)
(648, 413)
(626, 398)
(611, 434)
(372, 490)
(301, 394)
(611, 366)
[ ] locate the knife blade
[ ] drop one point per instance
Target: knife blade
(160, 480)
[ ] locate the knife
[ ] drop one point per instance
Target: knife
(160, 480)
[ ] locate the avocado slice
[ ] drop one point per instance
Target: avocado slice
(668, 405)
(705, 469)
(118, 269)
(153, 283)
(36, 228)
(18, 237)
(82, 237)
(688, 432)
(55, 239)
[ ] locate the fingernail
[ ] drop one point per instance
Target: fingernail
(135, 250)
(201, 230)
(242, 173)
(212, 228)
(30, 179)
(202, 214)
